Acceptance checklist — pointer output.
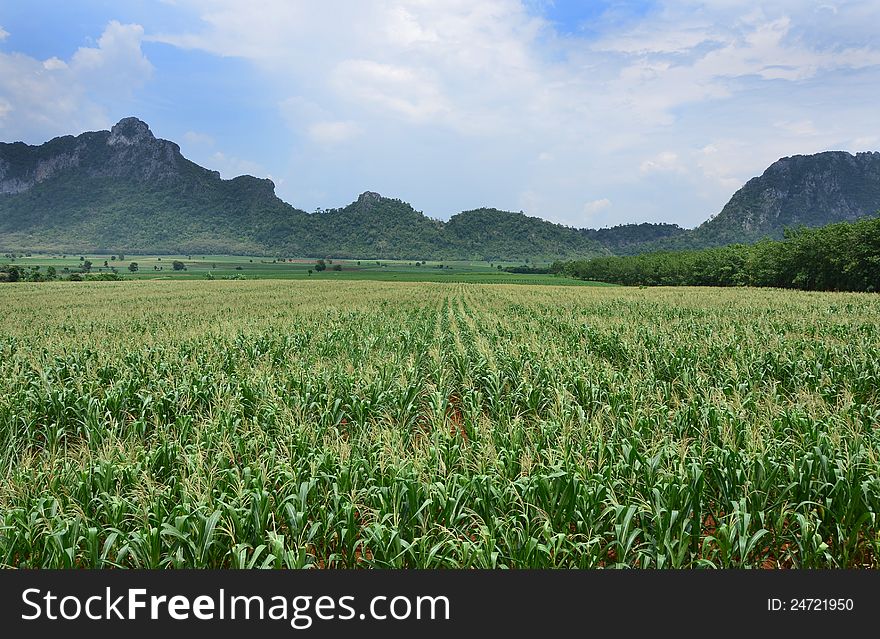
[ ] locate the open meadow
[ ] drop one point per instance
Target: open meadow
(320, 423)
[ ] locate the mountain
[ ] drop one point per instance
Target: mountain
(801, 190)
(126, 190)
(385, 227)
(628, 239)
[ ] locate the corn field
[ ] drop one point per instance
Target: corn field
(299, 424)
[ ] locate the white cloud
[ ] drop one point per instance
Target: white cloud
(664, 161)
(459, 104)
(455, 64)
(398, 89)
(590, 209)
(54, 64)
(494, 83)
(596, 205)
(644, 39)
(804, 127)
(865, 142)
(231, 166)
(721, 163)
(300, 111)
(333, 132)
(55, 97)
(3, 34)
(317, 123)
(196, 138)
(199, 147)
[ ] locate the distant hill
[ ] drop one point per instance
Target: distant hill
(125, 190)
(385, 227)
(627, 239)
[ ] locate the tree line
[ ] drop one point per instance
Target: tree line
(837, 257)
(17, 273)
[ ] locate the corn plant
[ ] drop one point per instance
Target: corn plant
(345, 424)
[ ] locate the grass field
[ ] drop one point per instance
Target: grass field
(320, 423)
(159, 267)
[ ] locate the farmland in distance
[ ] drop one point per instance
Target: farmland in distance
(320, 423)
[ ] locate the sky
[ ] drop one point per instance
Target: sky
(589, 114)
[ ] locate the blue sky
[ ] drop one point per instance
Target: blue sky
(585, 113)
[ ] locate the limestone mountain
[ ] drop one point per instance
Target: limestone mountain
(801, 190)
(126, 190)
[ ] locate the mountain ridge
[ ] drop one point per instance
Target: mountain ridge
(124, 189)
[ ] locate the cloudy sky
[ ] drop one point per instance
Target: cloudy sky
(586, 113)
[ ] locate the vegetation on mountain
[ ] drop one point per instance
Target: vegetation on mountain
(124, 189)
(627, 239)
(490, 234)
(801, 190)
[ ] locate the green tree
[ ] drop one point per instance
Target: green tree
(178, 265)
(12, 273)
(133, 267)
